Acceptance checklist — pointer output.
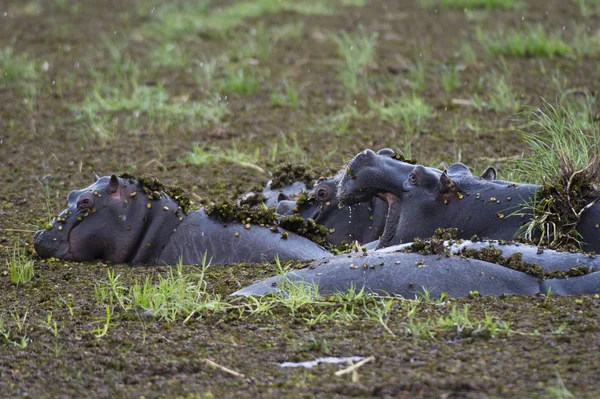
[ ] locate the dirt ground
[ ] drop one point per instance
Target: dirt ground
(65, 51)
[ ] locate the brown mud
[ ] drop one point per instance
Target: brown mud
(48, 149)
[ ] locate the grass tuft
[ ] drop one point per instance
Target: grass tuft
(202, 155)
(532, 42)
(288, 96)
(471, 4)
(241, 80)
(412, 112)
(358, 52)
(20, 267)
(16, 67)
(564, 154)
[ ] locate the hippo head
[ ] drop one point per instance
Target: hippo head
(110, 220)
(368, 174)
(428, 185)
(361, 222)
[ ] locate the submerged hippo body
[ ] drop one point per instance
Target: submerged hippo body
(404, 274)
(115, 220)
(363, 222)
(392, 271)
(427, 199)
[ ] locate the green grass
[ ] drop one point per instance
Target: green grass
(152, 102)
(589, 8)
(168, 54)
(466, 53)
(585, 44)
(531, 42)
(412, 112)
(417, 76)
(563, 154)
(502, 98)
(203, 155)
(287, 96)
(205, 72)
(16, 67)
(358, 52)
(174, 296)
(566, 134)
(241, 80)
(451, 78)
(20, 267)
(470, 4)
(176, 21)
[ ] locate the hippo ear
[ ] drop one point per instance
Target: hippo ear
(283, 197)
(96, 177)
(489, 174)
(446, 184)
(113, 184)
(386, 151)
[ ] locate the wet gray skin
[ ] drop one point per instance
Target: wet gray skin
(425, 199)
(393, 271)
(586, 284)
(406, 274)
(549, 260)
(114, 220)
(362, 222)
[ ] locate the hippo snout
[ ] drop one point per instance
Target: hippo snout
(48, 246)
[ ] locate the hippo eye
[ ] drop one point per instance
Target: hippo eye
(321, 194)
(84, 202)
(412, 178)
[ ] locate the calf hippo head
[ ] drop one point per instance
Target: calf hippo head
(114, 219)
(363, 222)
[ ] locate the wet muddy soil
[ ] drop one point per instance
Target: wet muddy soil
(49, 145)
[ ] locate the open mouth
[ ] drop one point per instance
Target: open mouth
(392, 218)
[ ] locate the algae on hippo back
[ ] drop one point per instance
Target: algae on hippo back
(127, 221)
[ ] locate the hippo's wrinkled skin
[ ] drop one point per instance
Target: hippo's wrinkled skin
(362, 222)
(115, 220)
(428, 199)
(394, 272)
(405, 274)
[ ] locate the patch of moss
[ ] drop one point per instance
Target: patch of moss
(288, 173)
(307, 228)
(560, 202)
(155, 189)
(402, 158)
(230, 211)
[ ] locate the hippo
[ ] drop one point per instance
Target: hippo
(393, 271)
(362, 222)
(405, 274)
(271, 197)
(120, 219)
(430, 198)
